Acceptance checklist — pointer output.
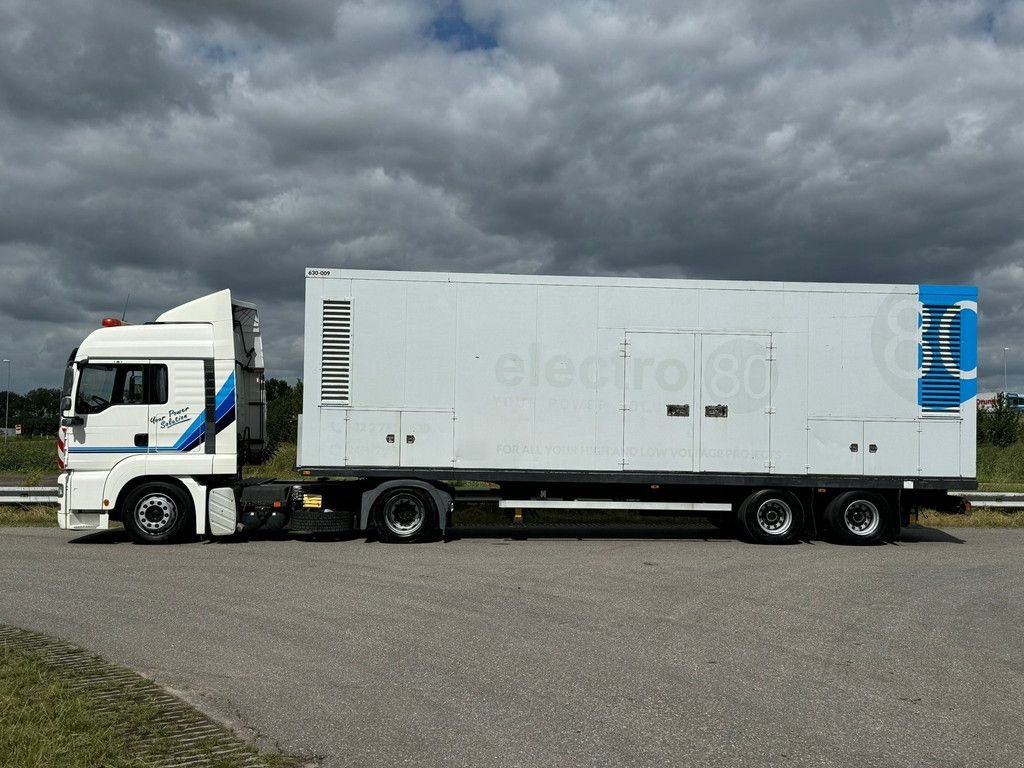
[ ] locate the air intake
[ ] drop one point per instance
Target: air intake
(336, 352)
(939, 385)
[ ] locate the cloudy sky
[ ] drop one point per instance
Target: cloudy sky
(168, 149)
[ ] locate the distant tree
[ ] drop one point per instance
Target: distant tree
(38, 411)
(276, 389)
(999, 426)
(284, 403)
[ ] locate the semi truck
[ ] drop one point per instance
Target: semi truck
(779, 410)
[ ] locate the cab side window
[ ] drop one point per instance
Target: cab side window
(102, 386)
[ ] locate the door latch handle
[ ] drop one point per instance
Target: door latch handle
(410, 439)
(142, 440)
(873, 448)
(390, 438)
(854, 447)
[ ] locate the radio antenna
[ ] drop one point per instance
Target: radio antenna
(125, 312)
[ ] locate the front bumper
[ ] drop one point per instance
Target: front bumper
(77, 520)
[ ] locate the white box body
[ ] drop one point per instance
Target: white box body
(479, 375)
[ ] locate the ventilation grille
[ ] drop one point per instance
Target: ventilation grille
(940, 359)
(336, 352)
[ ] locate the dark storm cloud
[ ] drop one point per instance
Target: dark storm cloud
(292, 20)
(168, 149)
(68, 61)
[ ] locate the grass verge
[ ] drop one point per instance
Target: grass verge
(976, 518)
(29, 515)
(1002, 487)
(280, 465)
(60, 706)
(31, 456)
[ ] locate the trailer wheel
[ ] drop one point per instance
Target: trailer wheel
(858, 517)
(772, 517)
(155, 513)
(405, 515)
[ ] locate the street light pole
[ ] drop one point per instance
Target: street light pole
(1005, 350)
(7, 405)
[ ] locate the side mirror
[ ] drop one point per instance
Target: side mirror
(65, 404)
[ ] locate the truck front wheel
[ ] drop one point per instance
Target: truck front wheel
(155, 513)
(405, 514)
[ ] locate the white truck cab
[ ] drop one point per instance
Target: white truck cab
(154, 416)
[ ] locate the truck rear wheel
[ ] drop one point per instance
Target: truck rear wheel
(858, 517)
(155, 513)
(772, 517)
(405, 515)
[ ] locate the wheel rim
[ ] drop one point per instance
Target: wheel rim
(405, 514)
(862, 518)
(155, 513)
(775, 517)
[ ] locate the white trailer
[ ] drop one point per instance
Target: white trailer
(782, 407)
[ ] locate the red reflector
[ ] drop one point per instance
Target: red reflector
(111, 322)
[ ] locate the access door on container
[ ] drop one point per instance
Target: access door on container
(372, 437)
(734, 411)
(659, 401)
(395, 438)
(427, 439)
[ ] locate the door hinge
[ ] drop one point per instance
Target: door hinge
(769, 410)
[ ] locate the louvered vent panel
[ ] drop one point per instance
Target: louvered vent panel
(336, 352)
(940, 359)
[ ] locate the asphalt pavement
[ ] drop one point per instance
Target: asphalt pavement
(607, 648)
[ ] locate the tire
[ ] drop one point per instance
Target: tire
(320, 521)
(156, 513)
(858, 517)
(405, 515)
(771, 517)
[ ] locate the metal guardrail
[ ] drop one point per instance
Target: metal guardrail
(40, 495)
(992, 499)
(49, 494)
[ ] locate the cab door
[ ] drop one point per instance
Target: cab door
(111, 401)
